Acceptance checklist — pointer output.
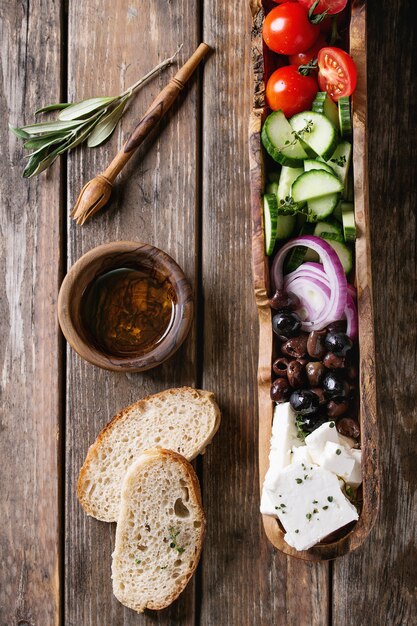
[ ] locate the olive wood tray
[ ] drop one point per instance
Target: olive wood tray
(349, 538)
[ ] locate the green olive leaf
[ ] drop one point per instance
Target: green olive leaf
(53, 107)
(48, 127)
(19, 132)
(43, 140)
(106, 125)
(79, 109)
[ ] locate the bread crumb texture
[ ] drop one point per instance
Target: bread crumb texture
(183, 420)
(160, 531)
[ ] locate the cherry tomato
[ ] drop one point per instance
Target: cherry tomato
(304, 58)
(287, 29)
(290, 91)
(330, 6)
(337, 72)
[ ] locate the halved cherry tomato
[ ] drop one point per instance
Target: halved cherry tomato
(330, 6)
(337, 72)
(287, 29)
(304, 58)
(290, 91)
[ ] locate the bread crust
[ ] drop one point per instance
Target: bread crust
(124, 414)
(143, 461)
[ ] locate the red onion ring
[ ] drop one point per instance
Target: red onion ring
(332, 269)
(351, 317)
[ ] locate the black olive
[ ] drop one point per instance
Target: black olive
(280, 390)
(286, 324)
(281, 301)
(315, 344)
(338, 343)
(315, 372)
(296, 346)
(335, 386)
(304, 402)
(309, 423)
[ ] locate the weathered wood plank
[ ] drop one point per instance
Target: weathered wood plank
(113, 43)
(29, 340)
(376, 584)
(244, 579)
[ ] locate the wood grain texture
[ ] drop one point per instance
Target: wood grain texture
(30, 242)
(244, 579)
(386, 564)
(154, 201)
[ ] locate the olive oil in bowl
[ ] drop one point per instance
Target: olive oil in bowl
(128, 311)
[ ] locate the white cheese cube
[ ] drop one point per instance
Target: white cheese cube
(284, 435)
(301, 455)
(337, 459)
(310, 504)
(267, 507)
(319, 437)
(355, 477)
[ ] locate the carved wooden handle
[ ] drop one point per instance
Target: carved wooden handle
(156, 111)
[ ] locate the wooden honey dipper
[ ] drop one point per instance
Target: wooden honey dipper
(96, 193)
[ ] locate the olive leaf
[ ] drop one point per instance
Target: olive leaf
(92, 119)
(106, 125)
(78, 110)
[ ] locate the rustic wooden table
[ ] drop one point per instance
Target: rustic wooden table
(187, 192)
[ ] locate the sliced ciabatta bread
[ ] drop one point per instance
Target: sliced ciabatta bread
(183, 419)
(160, 531)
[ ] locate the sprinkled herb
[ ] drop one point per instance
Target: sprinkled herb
(331, 425)
(164, 566)
(137, 561)
(330, 498)
(315, 511)
(315, 501)
(325, 508)
(174, 545)
(296, 531)
(338, 451)
(309, 516)
(341, 161)
(299, 481)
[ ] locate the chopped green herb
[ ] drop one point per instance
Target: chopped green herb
(315, 501)
(137, 561)
(299, 481)
(325, 508)
(173, 536)
(338, 451)
(331, 425)
(330, 498)
(164, 566)
(315, 511)
(296, 531)
(309, 516)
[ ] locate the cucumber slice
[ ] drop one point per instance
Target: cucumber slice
(273, 177)
(270, 221)
(340, 161)
(323, 103)
(343, 252)
(316, 131)
(348, 220)
(272, 188)
(287, 177)
(313, 164)
(348, 189)
(337, 212)
(285, 226)
(322, 207)
(314, 184)
(281, 142)
(327, 227)
(345, 120)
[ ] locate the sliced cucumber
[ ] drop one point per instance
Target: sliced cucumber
(340, 161)
(345, 120)
(317, 131)
(323, 206)
(313, 164)
(327, 227)
(343, 252)
(337, 212)
(270, 221)
(324, 104)
(272, 188)
(287, 177)
(348, 220)
(348, 190)
(314, 184)
(285, 226)
(273, 177)
(280, 141)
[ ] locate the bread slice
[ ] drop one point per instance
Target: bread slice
(183, 419)
(160, 531)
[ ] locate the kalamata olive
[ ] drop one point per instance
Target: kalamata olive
(296, 374)
(309, 423)
(339, 326)
(315, 372)
(348, 427)
(336, 408)
(352, 372)
(280, 390)
(296, 346)
(335, 386)
(320, 394)
(280, 367)
(304, 401)
(315, 344)
(331, 361)
(286, 324)
(282, 300)
(338, 343)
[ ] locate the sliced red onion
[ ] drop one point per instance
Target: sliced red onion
(332, 269)
(351, 317)
(352, 291)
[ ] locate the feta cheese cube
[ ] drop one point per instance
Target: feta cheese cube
(284, 435)
(267, 507)
(355, 477)
(337, 459)
(310, 504)
(319, 437)
(301, 454)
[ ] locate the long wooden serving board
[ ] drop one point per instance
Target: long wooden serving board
(261, 278)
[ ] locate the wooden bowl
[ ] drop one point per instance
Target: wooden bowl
(112, 256)
(351, 537)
